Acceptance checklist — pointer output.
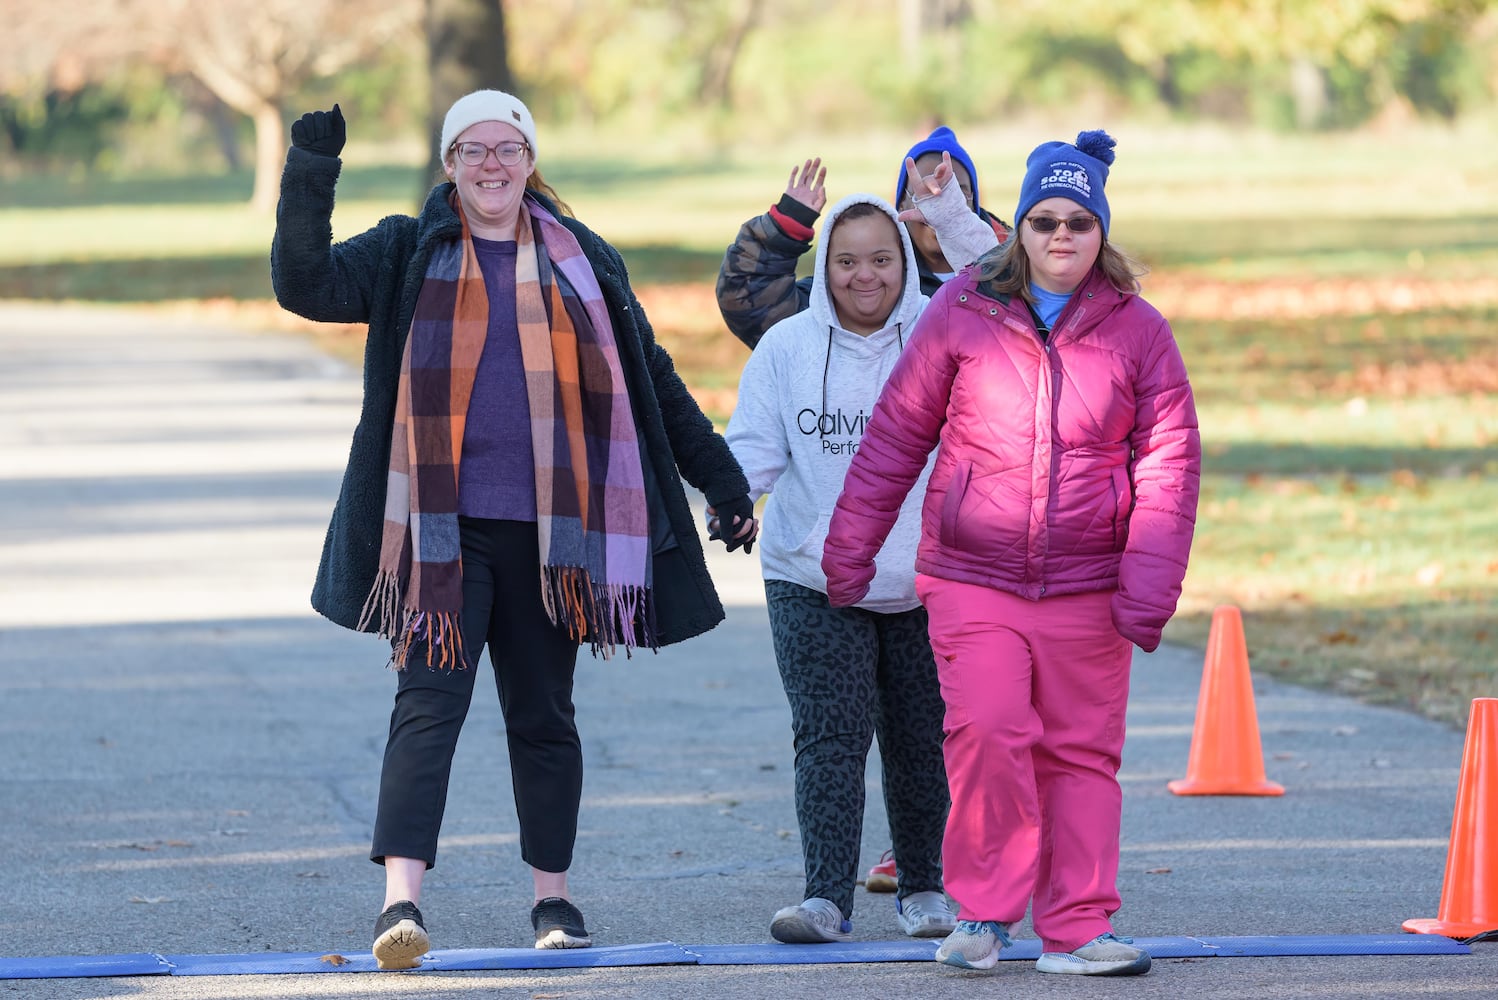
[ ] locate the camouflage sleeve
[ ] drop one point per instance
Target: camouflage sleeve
(757, 284)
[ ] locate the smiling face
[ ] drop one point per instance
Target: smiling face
(1059, 261)
(865, 270)
(490, 192)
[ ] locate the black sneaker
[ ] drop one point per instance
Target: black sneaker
(559, 924)
(400, 936)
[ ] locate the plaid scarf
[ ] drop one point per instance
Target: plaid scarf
(590, 494)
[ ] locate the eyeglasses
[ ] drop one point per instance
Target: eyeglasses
(1047, 224)
(475, 153)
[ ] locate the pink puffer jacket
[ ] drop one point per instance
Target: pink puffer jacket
(1064, 467)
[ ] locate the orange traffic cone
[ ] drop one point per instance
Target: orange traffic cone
(1226, 756)
(1469, 896)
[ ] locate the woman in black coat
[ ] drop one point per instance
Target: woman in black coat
(514, 480)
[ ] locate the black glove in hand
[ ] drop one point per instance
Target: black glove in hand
(732, 515)
(321, 132)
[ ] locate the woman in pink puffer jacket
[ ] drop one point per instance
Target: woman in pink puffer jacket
(1055, 533)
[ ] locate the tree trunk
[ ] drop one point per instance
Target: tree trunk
(718, 63)
(271, 140)
(466, 51)
(242, 95)
(1308, 91)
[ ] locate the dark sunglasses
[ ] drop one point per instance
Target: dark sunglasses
(1077, 223)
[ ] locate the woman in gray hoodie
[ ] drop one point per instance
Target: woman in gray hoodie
(849, 673)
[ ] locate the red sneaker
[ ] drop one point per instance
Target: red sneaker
(882, 877)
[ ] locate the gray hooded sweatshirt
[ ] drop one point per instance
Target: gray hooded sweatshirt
(804, 398)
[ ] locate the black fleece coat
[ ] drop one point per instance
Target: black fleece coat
(374, 278)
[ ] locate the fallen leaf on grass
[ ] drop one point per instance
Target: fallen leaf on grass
(1340, 637)
(334, 960)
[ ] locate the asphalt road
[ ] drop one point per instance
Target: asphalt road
(192, 754)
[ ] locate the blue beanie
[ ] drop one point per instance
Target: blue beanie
(941, 139)
(1062, 170)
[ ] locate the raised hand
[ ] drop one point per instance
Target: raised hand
(321, 132)
(920, 186)
(806, 184)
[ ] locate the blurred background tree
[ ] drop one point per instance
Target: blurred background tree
(131, 86)
(467, 50)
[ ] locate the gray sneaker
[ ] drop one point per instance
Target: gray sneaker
(1104, 955)
(926, 914)
(816, 921)
(974, 944)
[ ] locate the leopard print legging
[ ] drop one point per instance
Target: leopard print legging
(850, 674)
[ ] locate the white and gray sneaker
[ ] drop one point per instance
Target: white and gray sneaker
(815, 921)
(1104, 955)
(926, 914)
(974, 944)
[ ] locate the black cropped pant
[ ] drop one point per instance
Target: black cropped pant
(533, 663)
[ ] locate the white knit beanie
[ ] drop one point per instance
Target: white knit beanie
(486, 106)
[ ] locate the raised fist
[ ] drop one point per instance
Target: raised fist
(321, 132)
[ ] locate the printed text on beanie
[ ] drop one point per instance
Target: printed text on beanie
(1065, 170)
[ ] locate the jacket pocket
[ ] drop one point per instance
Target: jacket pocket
(952, 503)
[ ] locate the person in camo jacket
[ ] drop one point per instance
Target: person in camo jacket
(757, 282)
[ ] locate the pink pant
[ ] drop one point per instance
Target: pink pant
(1035, 694)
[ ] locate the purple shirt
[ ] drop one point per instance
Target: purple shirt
(497, 471)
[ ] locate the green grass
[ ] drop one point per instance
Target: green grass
(1350, 501)
(1350, 490)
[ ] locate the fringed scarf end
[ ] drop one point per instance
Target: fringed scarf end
(605, 616)
(386, 616)
(382, 608)
(439, 632)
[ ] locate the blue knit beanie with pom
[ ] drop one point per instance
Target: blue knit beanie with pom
(1064, 170)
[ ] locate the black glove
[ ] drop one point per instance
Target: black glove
(732, 515)
(321, 132)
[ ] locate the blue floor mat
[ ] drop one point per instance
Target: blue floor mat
(1029, 950)
(669, 953)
